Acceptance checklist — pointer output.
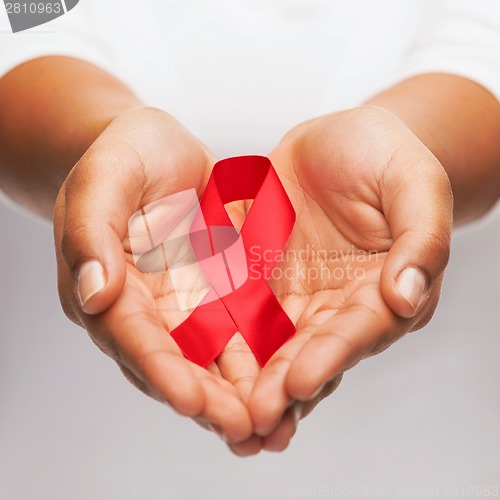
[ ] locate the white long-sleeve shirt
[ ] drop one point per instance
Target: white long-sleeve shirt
(240, 73)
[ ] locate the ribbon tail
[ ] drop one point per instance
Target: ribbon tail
(260, 318)
(205, 333)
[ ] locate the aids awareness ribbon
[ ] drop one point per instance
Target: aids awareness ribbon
(252, 308)
(236, 266)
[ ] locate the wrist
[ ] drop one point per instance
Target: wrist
(459, 122)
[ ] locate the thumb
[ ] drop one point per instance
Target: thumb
(90, 223)
(142, 155)
(418, 204)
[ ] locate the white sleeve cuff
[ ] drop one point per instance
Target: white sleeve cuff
(459, 37)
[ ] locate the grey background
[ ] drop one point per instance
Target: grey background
(423, 415)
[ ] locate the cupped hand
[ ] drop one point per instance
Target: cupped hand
(365, 262)
(363, 266)
(142, 156)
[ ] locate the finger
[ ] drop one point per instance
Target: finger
(138, 383)
(363, 324)
(154, 358)
(237, 365)
(250, 446)
(269, 398)
(144, 347)
(149, 352)
(214, 369)
(281, 436)
(328, 389)
(417, 202)
(223, 408)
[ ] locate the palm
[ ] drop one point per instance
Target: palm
(332, 250)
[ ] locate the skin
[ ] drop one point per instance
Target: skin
(379, 177)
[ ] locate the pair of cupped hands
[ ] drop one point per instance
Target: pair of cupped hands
(361, 183)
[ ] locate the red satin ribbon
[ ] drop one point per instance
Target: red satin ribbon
(252, 308)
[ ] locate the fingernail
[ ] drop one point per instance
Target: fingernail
(317, 391)
(411, 284)
(91, 280)
(297, 412)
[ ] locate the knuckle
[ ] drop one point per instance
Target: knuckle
(279, 365)
(236, 347)
(69, 311)
(66, 298)
(330, 387)
(136, 382)
(69, 242)
(244, 379)
(438, 243)
(428, 312)
(107, 346)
